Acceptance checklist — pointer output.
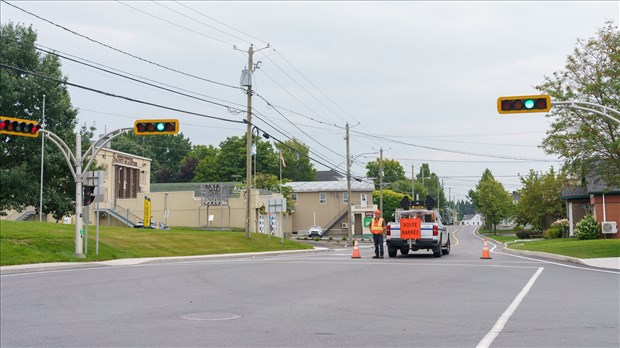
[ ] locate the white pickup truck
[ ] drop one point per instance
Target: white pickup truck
(433, 235)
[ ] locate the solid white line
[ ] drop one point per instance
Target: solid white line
(499, 325)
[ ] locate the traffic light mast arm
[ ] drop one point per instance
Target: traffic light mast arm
(93, 151)
(589, 107)
(64, 149)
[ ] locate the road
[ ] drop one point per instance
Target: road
(322, 299)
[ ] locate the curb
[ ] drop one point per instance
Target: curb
(61, 266)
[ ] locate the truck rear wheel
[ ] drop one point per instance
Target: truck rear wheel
(392, 252)
(404, 251)
(446, 250)
(437, 250)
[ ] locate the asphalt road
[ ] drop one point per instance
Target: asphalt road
(322, 299)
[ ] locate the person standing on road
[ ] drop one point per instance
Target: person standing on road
(377, 227)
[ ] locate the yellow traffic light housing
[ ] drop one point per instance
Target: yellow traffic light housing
(523, 104)
(156, 127)
(19, 127)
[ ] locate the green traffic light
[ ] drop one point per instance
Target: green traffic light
(160, 127)
(529, 103)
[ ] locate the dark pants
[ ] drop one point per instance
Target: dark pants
(378, 239)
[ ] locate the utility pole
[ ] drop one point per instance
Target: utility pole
(248, 134)
(381, 181)
(349, 185)
(248, 162)
(42, 154)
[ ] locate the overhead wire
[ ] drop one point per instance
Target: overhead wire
(119, 50)
(5, 66)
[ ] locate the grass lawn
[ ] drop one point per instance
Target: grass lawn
(583, 249)
(36, 242)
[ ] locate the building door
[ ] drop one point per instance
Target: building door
(363, 200)
(127, 181)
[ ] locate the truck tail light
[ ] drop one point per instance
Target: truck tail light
(435, 230)
(388, 230)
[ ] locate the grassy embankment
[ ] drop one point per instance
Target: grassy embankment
(36, 242)
(583, 249)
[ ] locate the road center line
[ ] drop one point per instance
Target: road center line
(499, 324)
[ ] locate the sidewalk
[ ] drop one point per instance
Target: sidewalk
(59, 266)
(607, 262)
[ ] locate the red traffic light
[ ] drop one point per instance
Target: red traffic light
(156, 127)
(523, 104)
(19, 127)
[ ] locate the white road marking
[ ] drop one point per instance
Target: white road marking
(499, 324)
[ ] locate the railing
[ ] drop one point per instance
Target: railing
(122, 214)
(337, 218)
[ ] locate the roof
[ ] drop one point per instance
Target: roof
(330, 186)
(574, 192)
(327, 175)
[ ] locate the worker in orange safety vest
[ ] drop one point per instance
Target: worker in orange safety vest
(377, 227)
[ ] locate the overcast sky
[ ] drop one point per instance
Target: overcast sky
(419, 75)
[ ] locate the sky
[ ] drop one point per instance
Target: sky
(418, 80)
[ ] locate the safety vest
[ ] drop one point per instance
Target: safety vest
(376, 228)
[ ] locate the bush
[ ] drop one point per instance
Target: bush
(553, 232)
(587, 228)
(518, 228)
(523, 234)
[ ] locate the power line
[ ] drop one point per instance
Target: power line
(115, 95)
(119, 50)
(176, 25)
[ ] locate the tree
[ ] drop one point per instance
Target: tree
(391, 201)
(392, 171)
(589, 143)
(166, 152)
(539, 200)
(21, 96)
(492, 200)
(206, 170)
(298, 165)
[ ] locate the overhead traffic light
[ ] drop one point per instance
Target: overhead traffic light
(523, 104)
(156, 127)
(19, 127)
(89, 194)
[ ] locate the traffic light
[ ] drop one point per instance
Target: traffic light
(523, 104)
(19, 127)
(155, 127)
(89, 194)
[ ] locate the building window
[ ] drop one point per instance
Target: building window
(345, 197)
(322, 198)
(294, 196)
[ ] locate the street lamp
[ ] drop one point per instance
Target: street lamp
(349, 163)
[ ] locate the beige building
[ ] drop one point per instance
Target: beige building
(325, 203)
(123, 186)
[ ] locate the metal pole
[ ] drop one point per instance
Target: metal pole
(42, 154)
(349, 185)
(248, 164)
(78, 196)
(97, 193)
(412, 184)
(381, 182)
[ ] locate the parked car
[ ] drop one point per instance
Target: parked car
(315, 231)
(156, 225)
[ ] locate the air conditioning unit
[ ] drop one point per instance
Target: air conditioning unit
(609, 227)
(344, 225)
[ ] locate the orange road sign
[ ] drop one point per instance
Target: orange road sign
(410, 228)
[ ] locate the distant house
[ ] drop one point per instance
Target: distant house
(325, 203)
(472, 220)
(593, 198)
(328, 175)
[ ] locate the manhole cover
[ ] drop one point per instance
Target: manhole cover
(211, 316)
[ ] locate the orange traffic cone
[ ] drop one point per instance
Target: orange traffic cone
(485, 251)
(356, 251)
